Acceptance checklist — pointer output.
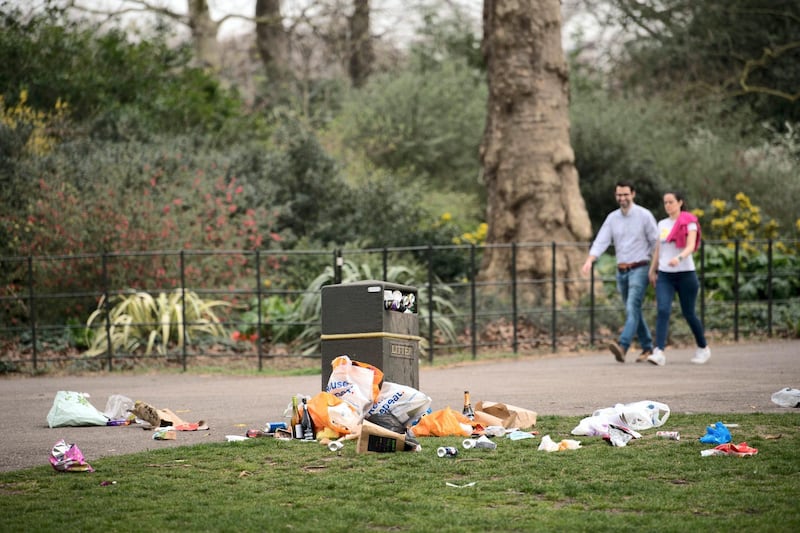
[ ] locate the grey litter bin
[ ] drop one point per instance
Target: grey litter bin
(356, 323)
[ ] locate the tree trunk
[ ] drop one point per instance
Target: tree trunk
(360, 43)
(271, 39)
(204, 34)
(528, 162)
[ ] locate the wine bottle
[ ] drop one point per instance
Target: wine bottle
(306, 423)
(468, 411)
(297, 428)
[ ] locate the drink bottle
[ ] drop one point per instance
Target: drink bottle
(468, 411)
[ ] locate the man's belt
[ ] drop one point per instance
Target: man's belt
(624, 267)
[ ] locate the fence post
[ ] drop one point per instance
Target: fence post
(259, 349)
(592, 337)
(385, 258)
(32, 307)
(106, 308)
(337, 266)
(769, 288)
(431, 342)
(514, 310)
(473, 308)
(736, 290)
(703, 283)
(183, 309)
(554, 280)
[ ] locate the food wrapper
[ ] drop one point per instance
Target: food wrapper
(68, 458)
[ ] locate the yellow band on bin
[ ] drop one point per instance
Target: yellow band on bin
(370, 335)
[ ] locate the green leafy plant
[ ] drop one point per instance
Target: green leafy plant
(139, 320)
(279, 320)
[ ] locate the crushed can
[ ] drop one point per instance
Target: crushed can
(671, 435)
(447, 451)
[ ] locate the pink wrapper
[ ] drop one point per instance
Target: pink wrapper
(68, 458)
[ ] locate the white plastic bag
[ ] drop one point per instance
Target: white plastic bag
(118, 407)
(645, 414)
(405, 403)
(787, 397)
(73, 409)
(351, 383)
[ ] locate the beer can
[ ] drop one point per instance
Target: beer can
(671, 435)
(447, 451)
(255, 433)
(335, 445)
(272, 427)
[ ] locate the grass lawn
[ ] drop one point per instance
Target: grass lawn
(265, 484)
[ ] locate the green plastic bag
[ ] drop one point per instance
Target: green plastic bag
(73, 409)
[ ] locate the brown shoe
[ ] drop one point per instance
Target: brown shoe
(644, 355)
(618, 351)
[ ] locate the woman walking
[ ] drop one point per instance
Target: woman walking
(672, 270)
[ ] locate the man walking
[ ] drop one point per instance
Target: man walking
(633, 231)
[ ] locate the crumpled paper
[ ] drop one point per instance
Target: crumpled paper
(68, 458)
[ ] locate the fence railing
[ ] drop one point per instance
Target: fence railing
(747, 288)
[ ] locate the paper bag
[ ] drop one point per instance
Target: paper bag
(511, 415)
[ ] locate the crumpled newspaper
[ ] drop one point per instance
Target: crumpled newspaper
(68, 458)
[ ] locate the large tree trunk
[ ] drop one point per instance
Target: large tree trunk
(528, 162)
(361, 54)
(204, 34)
(271, 39)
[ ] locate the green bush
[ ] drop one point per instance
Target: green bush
(139, 322)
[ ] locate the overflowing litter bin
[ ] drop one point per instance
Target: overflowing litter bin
(374, 322)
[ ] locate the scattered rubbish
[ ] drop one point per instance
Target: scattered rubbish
(73, 409)
(335, 445)
(283, 434)
(620, 435)
(375, 438)
(147, 413)
(518, 434)
(118, 407)
(447, 451)
(107, 483)
(671, 435)
(510, 416)
(272, 427)
(637, 416)
(548, 445)
(404, 402)
(731, 426)
(443, 423)
(235, 438)
(497, 431)
(68, 458)
(787, 397)
(466, 485)
(481, 442)
(165, 433)
(355, 382)
(256, 433)
(716, 434)
(736, 450)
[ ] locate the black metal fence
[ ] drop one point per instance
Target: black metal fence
(746, 289)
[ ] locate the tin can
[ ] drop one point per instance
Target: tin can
(447, 451)
(671, 435)
(272, 427)
(255, 433)
(335, 445)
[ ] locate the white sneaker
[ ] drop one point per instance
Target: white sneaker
(657, 357)
(701, 356)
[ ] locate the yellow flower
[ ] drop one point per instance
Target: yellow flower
(446, 217)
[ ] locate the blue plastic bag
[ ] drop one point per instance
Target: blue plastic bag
(716, 434)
